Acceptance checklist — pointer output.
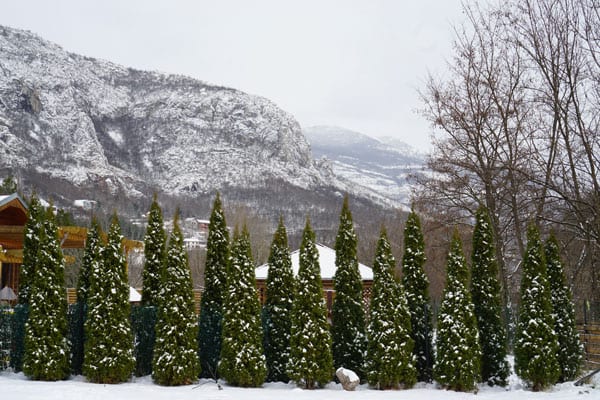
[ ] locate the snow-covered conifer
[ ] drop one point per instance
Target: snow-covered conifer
(536, 344)
(92, 259)
(278, 307)
(46, 344)
(390, 361)
(242, 359)
(109, 339)
(458, 360)
(175, 360)
(485, 291)
(31, 241)
(570, 354)
(416, 287)
(154, 254)
(347, 316)
(215, 280)
(311, 361)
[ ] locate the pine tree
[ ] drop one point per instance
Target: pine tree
(570, 353)
(154, 252)
(485, 290)
(46, 344)
(348, 316)
(242, 359)
(175, 359)
(390, 360)
(92, 260)
(215, 280)
(109, 339)
(278, 307)
(416, 287)
(536, 344)
(458, 361)
(31, 241)
(311, 361)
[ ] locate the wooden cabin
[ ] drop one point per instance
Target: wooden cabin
(328, 268)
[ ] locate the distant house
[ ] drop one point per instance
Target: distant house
(328, 268)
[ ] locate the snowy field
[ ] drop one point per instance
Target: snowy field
(18, 387)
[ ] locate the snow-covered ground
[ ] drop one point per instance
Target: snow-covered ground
(18, 387)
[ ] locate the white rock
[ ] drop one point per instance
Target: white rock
(348, 378)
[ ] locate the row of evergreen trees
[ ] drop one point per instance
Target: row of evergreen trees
(393, 349)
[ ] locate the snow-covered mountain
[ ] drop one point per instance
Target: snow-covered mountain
(75, 127)
(380, 166)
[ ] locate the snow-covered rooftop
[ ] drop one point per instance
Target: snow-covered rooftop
(326, 262)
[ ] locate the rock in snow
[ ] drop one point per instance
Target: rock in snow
(348, 378)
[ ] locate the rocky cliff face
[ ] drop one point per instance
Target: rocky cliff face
(97, 125)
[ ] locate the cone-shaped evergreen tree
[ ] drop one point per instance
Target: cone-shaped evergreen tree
(92, 260)
(46, 344)
(570, 354)
(390, 360)
(348, 316)
(154, 252)
(485, 290)
(242, 359)
(458, 360)
(416, 287)
(215, 281)
(109, 340)
(277, 321)
(536, 344)
(311, 361)
(31, 242)
(175, 359)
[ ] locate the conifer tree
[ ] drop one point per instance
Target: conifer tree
(31, 242)
(175, 359)
(92, 260)
(570, 352)
(242, 359)
(109, 339)
(311, 361)
(458, 360)
(215, 280)
(390, 360)
(278, 307)
(416, 287)
(154, 252)
(485, 290)
(536, 344)
(46, 344)
(348, 317)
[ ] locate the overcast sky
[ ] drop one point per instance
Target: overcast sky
(354, 64)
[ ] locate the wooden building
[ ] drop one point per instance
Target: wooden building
(328, 268)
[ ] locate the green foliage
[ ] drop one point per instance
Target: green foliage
(536, 344)
(416, 287)
(348, 316)
(31, 241)
(9, 185)
(485, 289)
(17, 350)
(76, 318)
(242, 360)
(154, 252)
(458, 362)
(175, 359)
(390, 360)
(109, 340)
(311, 361)
(46, 345)
(215, 279)
(570, 353)
(143, 320)
(6, 325)
(277, 321)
